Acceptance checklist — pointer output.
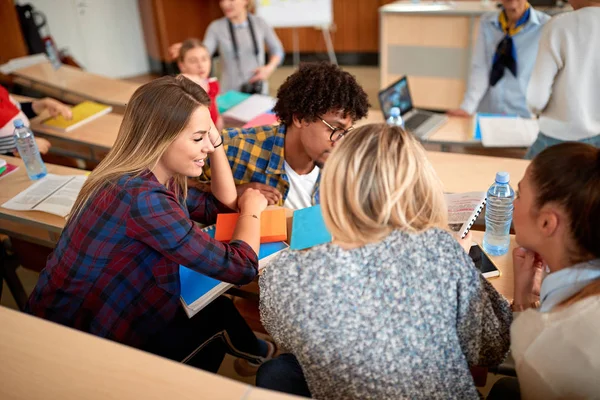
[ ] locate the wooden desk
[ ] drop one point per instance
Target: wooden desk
(458, 172)
(456, 132)
(504, 283)
(91, 141)
(74, 85)
(43, 360)
(34, 226)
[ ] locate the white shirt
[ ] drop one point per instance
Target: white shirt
(509, 95)
(301, 187)
(557, 354)
(565, 85)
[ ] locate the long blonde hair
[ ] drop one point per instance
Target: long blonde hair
(376, 180)
(156, 114)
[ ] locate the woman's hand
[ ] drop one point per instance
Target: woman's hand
(252, 201)
(528, 271)
(261, 74)
(54, 107)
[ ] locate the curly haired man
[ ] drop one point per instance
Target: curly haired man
(316, 106)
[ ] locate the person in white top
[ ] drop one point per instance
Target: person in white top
(556, 214)
(564, 87)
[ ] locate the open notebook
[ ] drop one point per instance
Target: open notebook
(463, 210)
(198, 290)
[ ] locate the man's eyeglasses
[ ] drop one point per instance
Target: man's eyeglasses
(336, 133)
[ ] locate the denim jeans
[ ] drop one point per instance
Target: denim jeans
(544, 141)
(283, 374)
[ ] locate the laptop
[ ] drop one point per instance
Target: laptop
(419, 122)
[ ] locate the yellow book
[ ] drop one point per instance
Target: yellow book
(82, 113)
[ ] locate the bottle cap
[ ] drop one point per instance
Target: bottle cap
(502, 177)
(18, 123)
(394, 112)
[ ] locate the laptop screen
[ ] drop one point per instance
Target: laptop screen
(396, 95)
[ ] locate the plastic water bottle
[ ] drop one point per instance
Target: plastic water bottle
(498, 215)
(395, 118)
(29, 151)
(52, 55)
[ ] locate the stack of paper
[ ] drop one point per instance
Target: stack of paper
(496, 130)
(250, 108)
(230, 99)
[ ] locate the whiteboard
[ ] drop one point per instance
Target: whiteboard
(295, 13)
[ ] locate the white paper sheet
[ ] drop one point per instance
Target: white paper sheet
(508, 131)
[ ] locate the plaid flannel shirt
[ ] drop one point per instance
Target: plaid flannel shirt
(257, 155)
(115, 270)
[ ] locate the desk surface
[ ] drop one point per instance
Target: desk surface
(73, 80)
(458, 172)
(101, 132)
(455, 131)
(43, 360)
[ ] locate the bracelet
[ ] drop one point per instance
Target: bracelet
(248, 215)
(523, 307)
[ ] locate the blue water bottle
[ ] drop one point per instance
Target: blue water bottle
(53, 55)
(498, 215)
(29, 151)
(395, 118)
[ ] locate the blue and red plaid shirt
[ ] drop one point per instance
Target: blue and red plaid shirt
(115, 270)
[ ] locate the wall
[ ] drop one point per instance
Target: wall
(104, 36)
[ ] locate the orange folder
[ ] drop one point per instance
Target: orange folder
(273, 226)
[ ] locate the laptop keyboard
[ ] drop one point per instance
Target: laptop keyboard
(415, 121)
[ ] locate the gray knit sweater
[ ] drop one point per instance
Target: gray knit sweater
(398, 319)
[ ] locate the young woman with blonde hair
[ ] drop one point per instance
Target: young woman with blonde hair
(115, 270)
(393, 307)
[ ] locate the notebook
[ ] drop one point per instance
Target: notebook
(82, 114)
(230, 99)
(308, 228)
(6, 168)
(53, 194)
(262, 120)
(463, 210)
(198, 290)
(250, 108)
(273, 226)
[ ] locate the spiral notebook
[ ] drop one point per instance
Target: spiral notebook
(463, 210)
(198, 290)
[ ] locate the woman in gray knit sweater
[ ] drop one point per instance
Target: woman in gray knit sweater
(393, 308)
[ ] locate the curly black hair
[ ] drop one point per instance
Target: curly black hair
(317, 88)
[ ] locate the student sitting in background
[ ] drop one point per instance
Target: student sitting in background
(194, 63)
(502, 61)
(115, 270)
(565, 86)
(556, 215)
(10, 110)
(393, 307)
(317, 106)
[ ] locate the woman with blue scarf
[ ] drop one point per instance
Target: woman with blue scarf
(503, 59)
(557, 219)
